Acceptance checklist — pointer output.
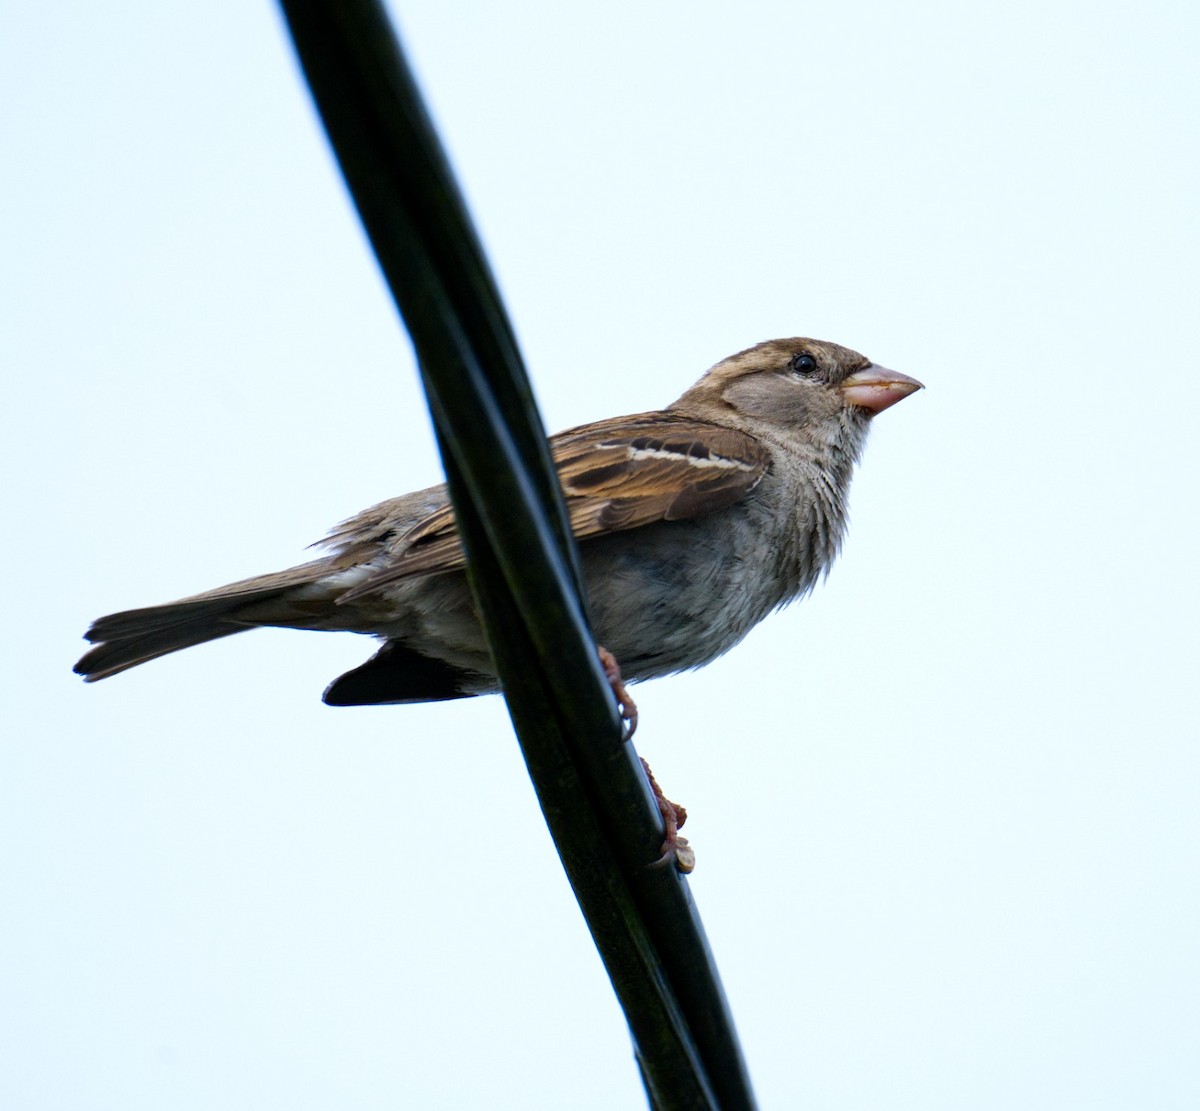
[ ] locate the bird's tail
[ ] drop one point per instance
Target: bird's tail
(124, 640)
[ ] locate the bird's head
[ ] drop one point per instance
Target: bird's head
(792, 385)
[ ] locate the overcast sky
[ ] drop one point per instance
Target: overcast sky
(945, 809)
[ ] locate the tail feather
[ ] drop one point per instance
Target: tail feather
(124, 640)
(112, 657)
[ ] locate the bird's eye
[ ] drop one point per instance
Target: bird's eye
(803, 364)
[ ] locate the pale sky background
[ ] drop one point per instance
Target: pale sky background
(945, 809)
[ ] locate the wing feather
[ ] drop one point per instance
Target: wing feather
(616, 475)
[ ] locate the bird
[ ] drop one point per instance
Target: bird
(694, 522)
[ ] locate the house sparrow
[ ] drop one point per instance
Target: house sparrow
(694, 523)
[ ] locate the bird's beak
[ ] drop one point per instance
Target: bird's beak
(876, 387)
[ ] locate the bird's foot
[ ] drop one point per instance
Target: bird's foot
(675, 848)
(627, 706)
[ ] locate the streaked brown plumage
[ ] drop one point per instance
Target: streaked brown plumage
(694, 523)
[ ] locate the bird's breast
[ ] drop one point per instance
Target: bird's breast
(677, 594)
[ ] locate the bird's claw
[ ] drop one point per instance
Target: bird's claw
(675, 848)
(626, 705)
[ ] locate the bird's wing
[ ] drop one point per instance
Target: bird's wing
(617, 474)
